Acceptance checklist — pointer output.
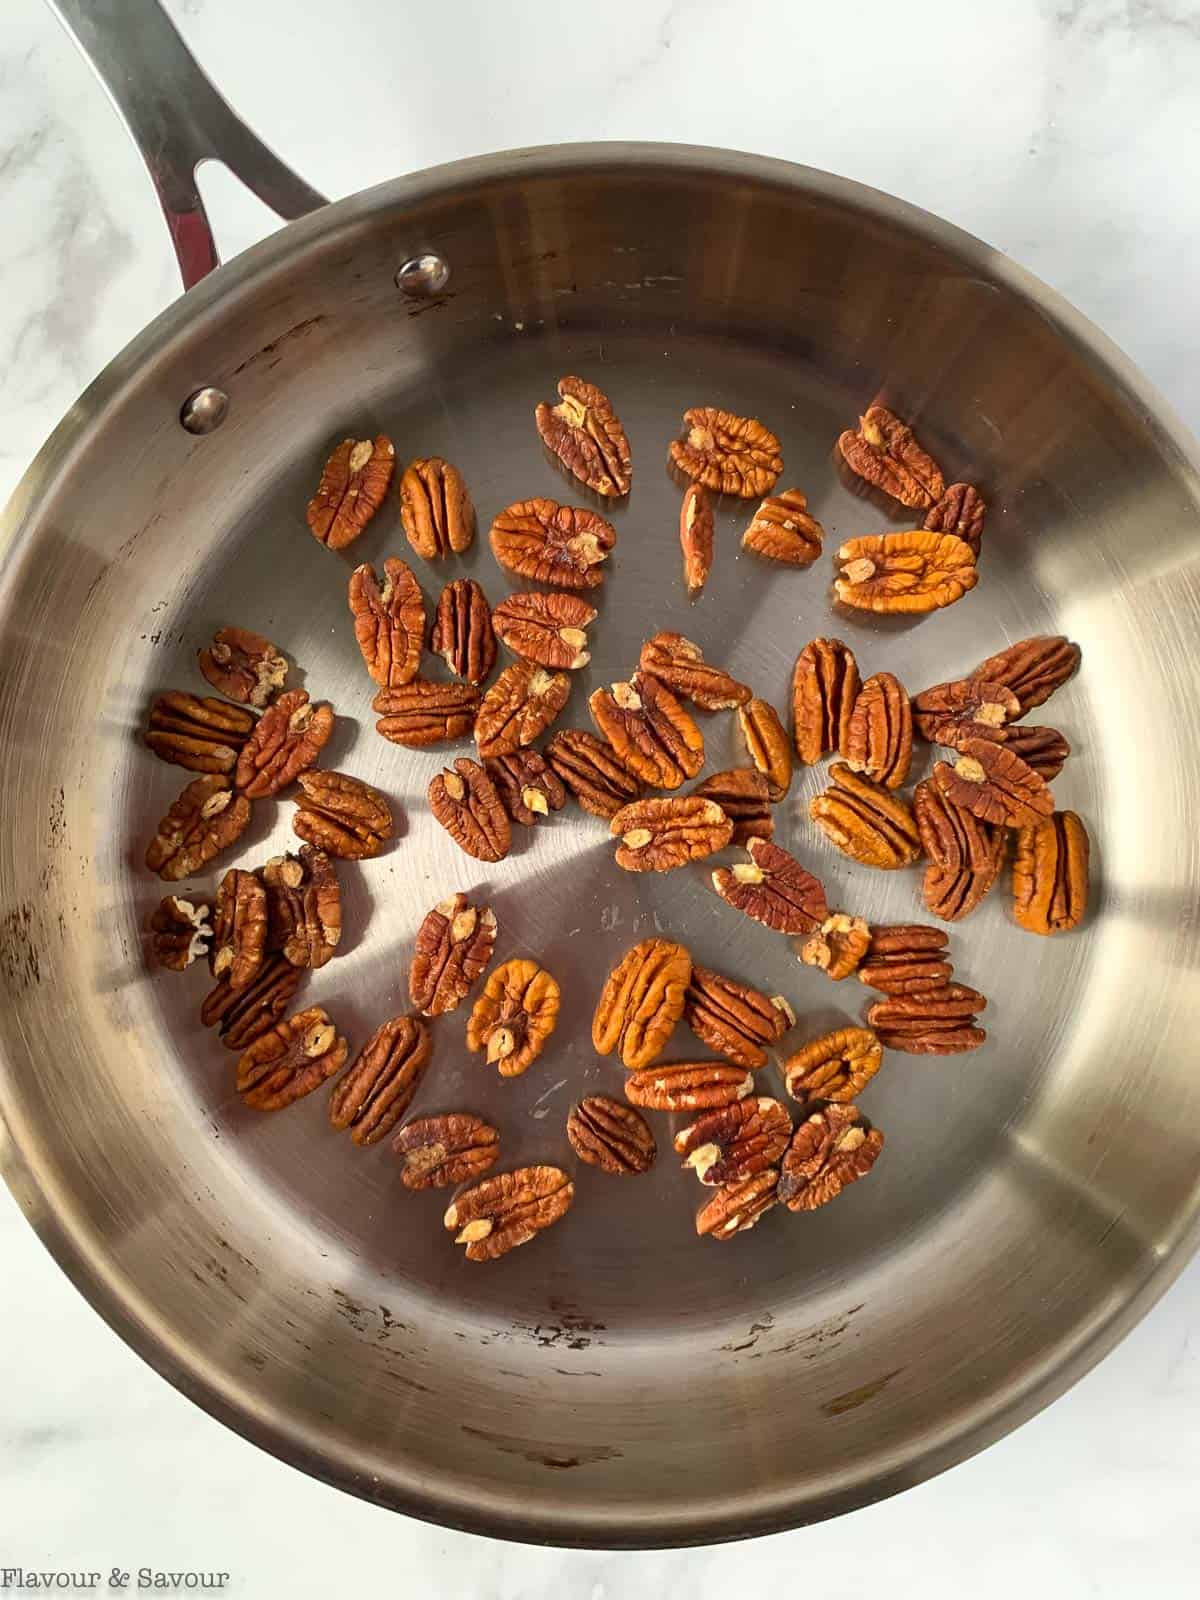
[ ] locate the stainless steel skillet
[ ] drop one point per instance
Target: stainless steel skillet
(619, 1382)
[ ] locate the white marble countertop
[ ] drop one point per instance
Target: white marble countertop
(1062, 131)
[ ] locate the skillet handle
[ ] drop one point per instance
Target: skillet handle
(177, 120)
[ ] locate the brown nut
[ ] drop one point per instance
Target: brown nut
(287, 741)
(586, 435)
(649, 730)
(960, 511)
(824, 689)
(389, 623)
(199, 735)
(680, 664)
(906, 958)
(612, 1136)
(741, 793)
(774, 889)
(1032, 668)
(548, 629)
(179, 932)
(466, 804)
(782, 530)
(768, 746)
(995, 785)
(879, 734)
(865, 822)
(206, 819)
(836, 1066)
(514, 1016)
(736, 1141)
(437, 1152)
(454, 945)
(1050, 874)
(548, 543)
(906, 573)
(688, 1086)
(964, 709)
(830, 1150)
(696, 538)
(507, 1210)
(658, 835)
(838, 945)
(1043, 749)
(380, 1083)
(290, 1060)
(886, 454)
(352, 489)
(933, 1022)
(423, 712)
(304, 907)
(342, 815)
(520, 705)
(436, 509)
(734, 1018)
(966, 854)
(243, 666)
(593, 772)
(239, 928)
(243, 1015)
(736, 1207)
(462, 631)
(526, 785)
(727, 453)
(641, 1002)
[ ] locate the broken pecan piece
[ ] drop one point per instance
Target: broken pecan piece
(834, 1067)
(342, 815)
(592, 771)
(824, 689)
(993, 784)
(641, 1002)
(658, 834)
(649, 730)
(774, 889)
(904, 572)
(462, 631)
(688, 1086)
(768, 745)
(389, 623)
(548, 629)
(454, 945)
(239, 928)
(680, 664)
(527, 786)
(734, 1018)
(514, 1016)
(865, 822)
(288, 739)
(243, 666)
(736, 1207)
(436, 509)
(741, 793)
(352, 489)
(500, 1213)
(727, 453)
(960, 511)
(697, 531)
(967, 854)
(1032, 668)
(1050, 874)
(934, 1022)
(586, 435)
(879, 733)
(838, 945)
(967, 708)
(612, 1136)
(439, 1151)
(179, 932)
(885, 452)
(782, 530)
(304, 907)
(243, 1015)
(548, 543)
(206, 819)
(199, 735)
(831, 1149)
(422, 712)
(466, 804)
(290, 1060)
(906, 958)
(520, 705)
(736, 1141)
(380, 1083)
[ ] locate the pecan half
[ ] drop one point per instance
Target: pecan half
(1050, 874)
(548, 629)
(904, 572)
(697, 531)
(612, 1136)
(824, 689)
(520, 705)
(688, 1086)
(462, 631)
(389, 623)
(514, 1016)
(1032, 668)
(658, 835)
(342, 815)
(206, 819)
(885, 452)
(768, 746)
(466, 804)
(967, 854)
(352, 489)
(239, 928)
(727, 453)
(782, 530)
(423, 712)
(243, 1015)
(741, 793)
(592, 771)
(508, 1210)
(649, 730)
(243, 666)
(436, 1152)
(641, 1002)
(304, 907)
(1043, 749)
(967, 708)
(960, 511)
(834, 1067)
(380, 1083)
(586, 435)
(436, 509)
(200, 735)
(735, 1141)
(680, 664)
(290, 1060)
(454, 945)
(288, 739)
(736, 1207)
(548, 543)
(774, 889)
(179, 932)
(993, 784)
(879, 734)
(935, 1022)
(831, 1149)
(526, 785)
(838, 945)
(865, 822)
(906, 958)
(734, 1018)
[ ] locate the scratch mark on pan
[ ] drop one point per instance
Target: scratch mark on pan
(859, 1396)
(541, 1455)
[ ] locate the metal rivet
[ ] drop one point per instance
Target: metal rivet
(204, 410)
(423, 276)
